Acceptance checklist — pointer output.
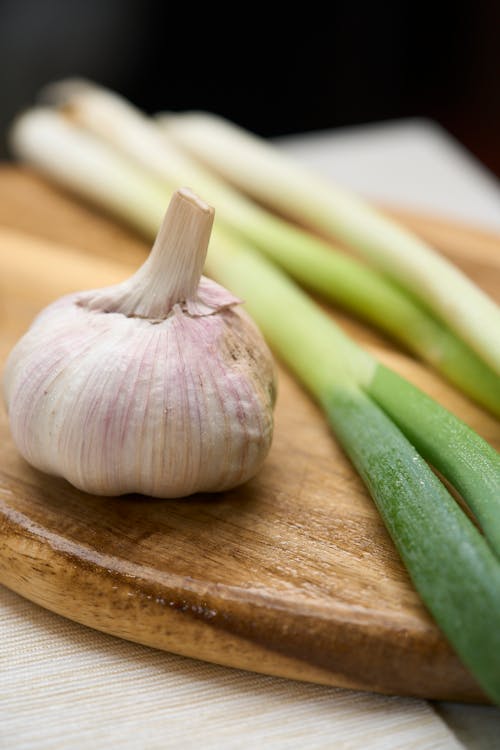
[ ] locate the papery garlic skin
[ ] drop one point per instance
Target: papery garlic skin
(118, 404)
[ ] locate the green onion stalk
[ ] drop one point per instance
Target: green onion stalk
(388, 427)
(313, 262)
(276, 180)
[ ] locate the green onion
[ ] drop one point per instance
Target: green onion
(375, 413)
(310, 260)
(452, 567)
(270, 177)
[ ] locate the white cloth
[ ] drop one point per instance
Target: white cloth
(65, 686)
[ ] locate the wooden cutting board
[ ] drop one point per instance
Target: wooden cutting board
(292, 574)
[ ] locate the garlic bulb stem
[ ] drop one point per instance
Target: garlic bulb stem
(171, 274)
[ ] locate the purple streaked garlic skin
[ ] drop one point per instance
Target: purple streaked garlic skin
(118, 392)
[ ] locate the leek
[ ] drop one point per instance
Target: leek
(371, 409)
(310, 260)
(271, 178)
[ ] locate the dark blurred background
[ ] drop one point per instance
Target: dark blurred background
(352, 62)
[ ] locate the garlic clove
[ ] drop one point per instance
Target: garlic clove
(161, 385)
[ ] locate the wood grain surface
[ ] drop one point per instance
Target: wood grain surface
(292, 574)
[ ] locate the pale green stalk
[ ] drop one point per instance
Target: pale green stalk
(310, 260)
(276, 180)
(452, 566)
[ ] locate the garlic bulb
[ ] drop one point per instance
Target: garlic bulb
(161, 385)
